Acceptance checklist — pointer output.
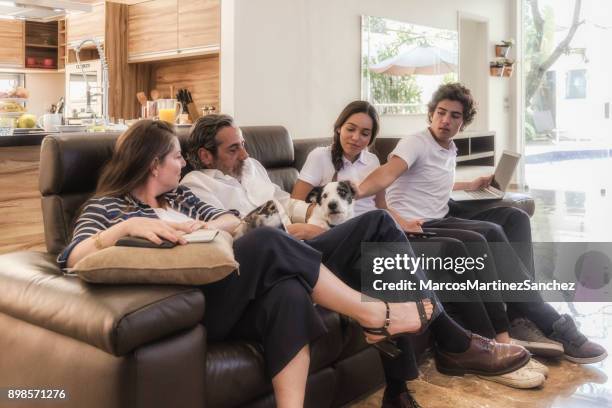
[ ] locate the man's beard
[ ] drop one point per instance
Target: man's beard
(235, 171)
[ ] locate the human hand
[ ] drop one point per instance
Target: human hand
(355, 186)
(155, 230)
(190, 226)
(481, 182)
(412, 225)
(304, 231)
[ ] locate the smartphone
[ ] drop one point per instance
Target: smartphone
(143, 243)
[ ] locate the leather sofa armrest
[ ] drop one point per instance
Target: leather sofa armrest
(469, 208)
(114, 318)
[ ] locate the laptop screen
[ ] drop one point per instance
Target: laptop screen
(505, 169)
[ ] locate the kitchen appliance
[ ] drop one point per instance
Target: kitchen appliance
(76, 89)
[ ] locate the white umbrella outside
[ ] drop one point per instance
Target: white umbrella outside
(418, 61)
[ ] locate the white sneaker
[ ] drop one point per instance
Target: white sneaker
(522, 378)
(535, 365)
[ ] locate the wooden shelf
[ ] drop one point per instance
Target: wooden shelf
(51, 47)
(475, 156)
(477, 148)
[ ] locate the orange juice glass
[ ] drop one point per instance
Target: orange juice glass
(168, 110)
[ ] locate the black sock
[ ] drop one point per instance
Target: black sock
(395, 388)
(449, 335)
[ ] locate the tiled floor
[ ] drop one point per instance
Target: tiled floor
(572, 204)
(569, 385)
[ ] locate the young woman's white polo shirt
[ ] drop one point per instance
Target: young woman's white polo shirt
(319, 170)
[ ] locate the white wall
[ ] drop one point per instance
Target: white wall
(45, 89)
(297, 62)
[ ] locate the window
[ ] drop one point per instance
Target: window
(10, 81)
(575, 84)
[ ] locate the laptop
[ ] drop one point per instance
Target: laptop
(501, 179)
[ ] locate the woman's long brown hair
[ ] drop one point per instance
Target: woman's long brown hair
(351, 109)
(135, 151)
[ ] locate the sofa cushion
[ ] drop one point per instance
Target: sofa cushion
(71, 163)
(191, 264)
(270, 145)
(284, 177)
(116, 319)
(240, 365)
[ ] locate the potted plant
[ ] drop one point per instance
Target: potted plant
(501, 49)
(508, 67)
(496, 68)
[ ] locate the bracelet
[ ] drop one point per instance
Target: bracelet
(98, 241)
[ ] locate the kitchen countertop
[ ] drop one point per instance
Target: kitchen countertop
(22, 140)
(33, 139)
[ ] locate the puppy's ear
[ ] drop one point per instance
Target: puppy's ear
(349, 188)
(271, 207)
(315, 195)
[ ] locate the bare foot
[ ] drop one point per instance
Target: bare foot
(404, 318)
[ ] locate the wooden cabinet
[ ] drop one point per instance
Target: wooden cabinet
(170, 29)
(152, 27)
(198, 23)
(86, 25)
(12, 40)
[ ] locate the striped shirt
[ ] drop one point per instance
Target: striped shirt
(102, 213)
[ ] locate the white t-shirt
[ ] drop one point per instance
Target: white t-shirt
(319, 170)
(424, 189)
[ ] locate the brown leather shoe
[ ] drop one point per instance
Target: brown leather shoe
(483, 357)
(404, 400)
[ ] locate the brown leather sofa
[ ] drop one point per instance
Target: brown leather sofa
(144, 346)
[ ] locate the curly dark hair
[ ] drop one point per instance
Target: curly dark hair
(454, 92)
(351, 109)
(204, 135)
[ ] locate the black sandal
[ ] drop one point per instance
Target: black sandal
(423, 316)
(387, 345)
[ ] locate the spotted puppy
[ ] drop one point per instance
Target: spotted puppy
(334, 204)
(266, 215)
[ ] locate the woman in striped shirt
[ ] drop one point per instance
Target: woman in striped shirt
(138, 194)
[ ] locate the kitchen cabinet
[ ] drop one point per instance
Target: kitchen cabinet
(152, 27)
(169, 29)
(198, 23)
(12, 39)
(86, 25)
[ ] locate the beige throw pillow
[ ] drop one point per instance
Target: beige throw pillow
(191, 264)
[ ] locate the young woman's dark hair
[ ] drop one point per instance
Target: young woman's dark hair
(351, 109)
(135, 150)
(454, 92)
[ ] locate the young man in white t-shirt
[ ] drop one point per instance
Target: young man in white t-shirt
(419, 177)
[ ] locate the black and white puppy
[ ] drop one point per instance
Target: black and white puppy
(334, 204)
(266, 215)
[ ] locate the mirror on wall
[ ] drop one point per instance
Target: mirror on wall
(402, 64)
